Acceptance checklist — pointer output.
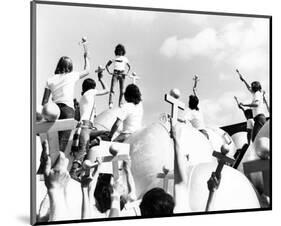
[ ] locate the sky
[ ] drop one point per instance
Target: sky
(166, 50)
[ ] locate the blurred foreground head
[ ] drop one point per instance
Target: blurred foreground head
(132, 94)
(157, 202)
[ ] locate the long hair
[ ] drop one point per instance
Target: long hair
(132, 94)
(120, 50)
(64, 65)
(103, 193)
(193, 102)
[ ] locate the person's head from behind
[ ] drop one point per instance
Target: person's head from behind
(64, 65)
(255, 86)
(88, 84)
(157, 202)
(120, 50)
(103, 192)
(132, 94)
(193, 102)
(248, 114)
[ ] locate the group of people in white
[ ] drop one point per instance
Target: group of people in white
(101, 195)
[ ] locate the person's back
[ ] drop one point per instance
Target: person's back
(131, 114)
(120, 63)
(195, 117)
(62, 87)
(87, 101)
(258, 99)
(87, 105)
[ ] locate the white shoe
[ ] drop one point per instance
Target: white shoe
(110, 105)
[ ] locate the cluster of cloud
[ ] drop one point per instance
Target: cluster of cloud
(225, 107)
(240, 44)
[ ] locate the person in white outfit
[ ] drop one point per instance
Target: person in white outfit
(85, 128)
(130, 114)
(120, 64)
(193, 115)
(257, 106)
(61, 87)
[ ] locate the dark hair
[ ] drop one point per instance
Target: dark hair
(157, 202)
(88, 84)
(103, 193)
(75, 102)
(120, 50)
(193, 102)
(132, 94)
(256, 86)
(64, 65)
(248, 113)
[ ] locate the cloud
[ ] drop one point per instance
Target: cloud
(170, 47)
(223, 110)
(239, 44)
(251, 60)
(203, 44)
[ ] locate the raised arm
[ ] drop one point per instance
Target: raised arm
(265, 101)
(180, 171)
(86, 70)
(244, 81)
(130, 181)
(196, 79)
(194, 92)
(56, 180)
(107, 67)
(46, 96)
(180, 160)
(88, 185)
(115, 200)
(129, 68)
(104, 89)
(239, 104)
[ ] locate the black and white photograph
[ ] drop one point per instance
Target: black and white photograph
(145, 112)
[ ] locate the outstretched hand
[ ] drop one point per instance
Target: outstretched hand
(58, 176)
